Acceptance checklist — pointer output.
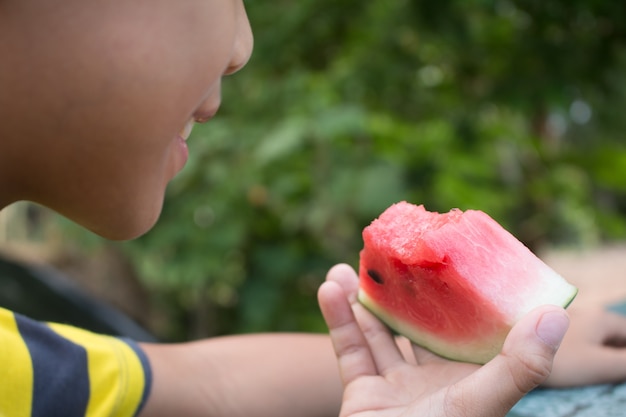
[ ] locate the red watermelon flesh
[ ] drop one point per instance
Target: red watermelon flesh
(454, 283)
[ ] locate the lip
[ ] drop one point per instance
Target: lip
(180, 150)
(182, 154)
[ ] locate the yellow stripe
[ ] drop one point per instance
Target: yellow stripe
(116, 375)
(16, 370)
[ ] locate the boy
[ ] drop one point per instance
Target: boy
(97, 100)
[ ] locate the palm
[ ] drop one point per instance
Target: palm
(382, 379)
(391, 392)
(377, 375)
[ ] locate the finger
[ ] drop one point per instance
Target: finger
(353, 353)
(345, 276)
(424, 356)
(614, 329)
(383, 347)
(603, 365)
(524, 363)
(598, 336)
(610, 367)
(406, 347)
(415, 354)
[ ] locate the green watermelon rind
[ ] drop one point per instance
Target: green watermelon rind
(573, 295)
(479, 352)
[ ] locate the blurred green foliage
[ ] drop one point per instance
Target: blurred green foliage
(512, 107)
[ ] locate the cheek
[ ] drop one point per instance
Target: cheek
(166, 67)
(117, 193)
(109, 107)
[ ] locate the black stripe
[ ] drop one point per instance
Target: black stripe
(60, 371)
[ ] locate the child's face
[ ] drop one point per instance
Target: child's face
(100, 92)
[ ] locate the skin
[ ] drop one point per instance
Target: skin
(252, 375)
(379, 376)
(102, 91)
(94, 97)
(597, 335)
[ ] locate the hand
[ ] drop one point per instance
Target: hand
(593, 350)
(379, 381)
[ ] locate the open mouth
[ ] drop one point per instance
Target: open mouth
(186, 132)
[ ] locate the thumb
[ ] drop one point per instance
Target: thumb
(524, 363)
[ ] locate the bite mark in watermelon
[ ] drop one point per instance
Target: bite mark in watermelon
(454, 283)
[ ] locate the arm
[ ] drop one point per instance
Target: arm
(248, 375)
(295, 374)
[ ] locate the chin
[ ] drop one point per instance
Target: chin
(121, 232)
(120, 228)
(121, 235)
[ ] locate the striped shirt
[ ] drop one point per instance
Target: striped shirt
(53, 370)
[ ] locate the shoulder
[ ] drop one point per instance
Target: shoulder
(56, 365)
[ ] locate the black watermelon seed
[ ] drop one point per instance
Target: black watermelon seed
(375, 276)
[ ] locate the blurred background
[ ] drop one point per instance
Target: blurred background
(516, 108)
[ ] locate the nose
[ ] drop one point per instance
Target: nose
(244, 42)
(242, 49)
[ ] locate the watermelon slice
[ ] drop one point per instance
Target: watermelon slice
(454, 283)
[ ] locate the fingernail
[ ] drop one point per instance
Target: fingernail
(552, 327)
